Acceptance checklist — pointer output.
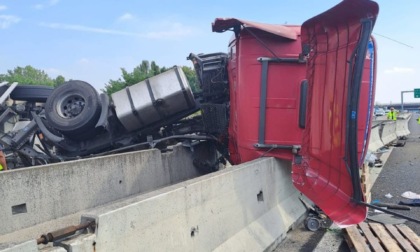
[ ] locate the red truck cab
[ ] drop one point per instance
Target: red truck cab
(305, 94)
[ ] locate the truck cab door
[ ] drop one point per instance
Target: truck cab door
(340, 97)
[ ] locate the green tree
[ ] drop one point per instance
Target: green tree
(114, 86)
(139, 73)
(29, 75)
(59, 80)
(192, 78)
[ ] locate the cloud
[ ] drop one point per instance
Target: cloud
(7, 20)
(172, 31)
(53, 2)
(3, 7)
(398, 70)
(44, 5)
(84, 61)
(126, 17)
(83, 28)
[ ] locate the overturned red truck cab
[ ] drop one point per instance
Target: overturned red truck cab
(300, 93)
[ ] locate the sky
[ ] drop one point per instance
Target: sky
(92, 40)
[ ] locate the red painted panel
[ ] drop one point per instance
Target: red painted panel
(283, 87)
(322, 173)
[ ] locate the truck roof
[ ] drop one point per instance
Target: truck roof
(286, 31)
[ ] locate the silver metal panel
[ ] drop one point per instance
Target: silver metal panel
(136, 107)
(6, 94)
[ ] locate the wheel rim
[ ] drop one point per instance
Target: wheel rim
(70, 106)
(313, 224)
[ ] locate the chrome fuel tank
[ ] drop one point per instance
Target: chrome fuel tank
(155, 99)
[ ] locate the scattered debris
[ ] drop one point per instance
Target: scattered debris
(388, 195)
(413, 202)
(410, 195)
(378, 163)
(383, 150)
(399, 143)
(392, 206)
(370, 159)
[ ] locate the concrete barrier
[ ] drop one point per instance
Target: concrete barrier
(249, 207)
(40, 194)
(402, 126)
(375, 142)
(389, 131)
(28, 246)
(388, 134)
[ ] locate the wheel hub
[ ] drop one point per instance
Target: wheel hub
(75, 108)
(71, 106)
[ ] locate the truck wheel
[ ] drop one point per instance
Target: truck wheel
(205, 157)
(312, 224)
(73, 109)
(31, 93)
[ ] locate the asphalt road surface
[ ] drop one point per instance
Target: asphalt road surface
(401, 173)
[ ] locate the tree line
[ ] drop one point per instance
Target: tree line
(29, 75)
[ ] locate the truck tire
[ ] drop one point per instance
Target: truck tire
(31, 93)
(73, 109)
